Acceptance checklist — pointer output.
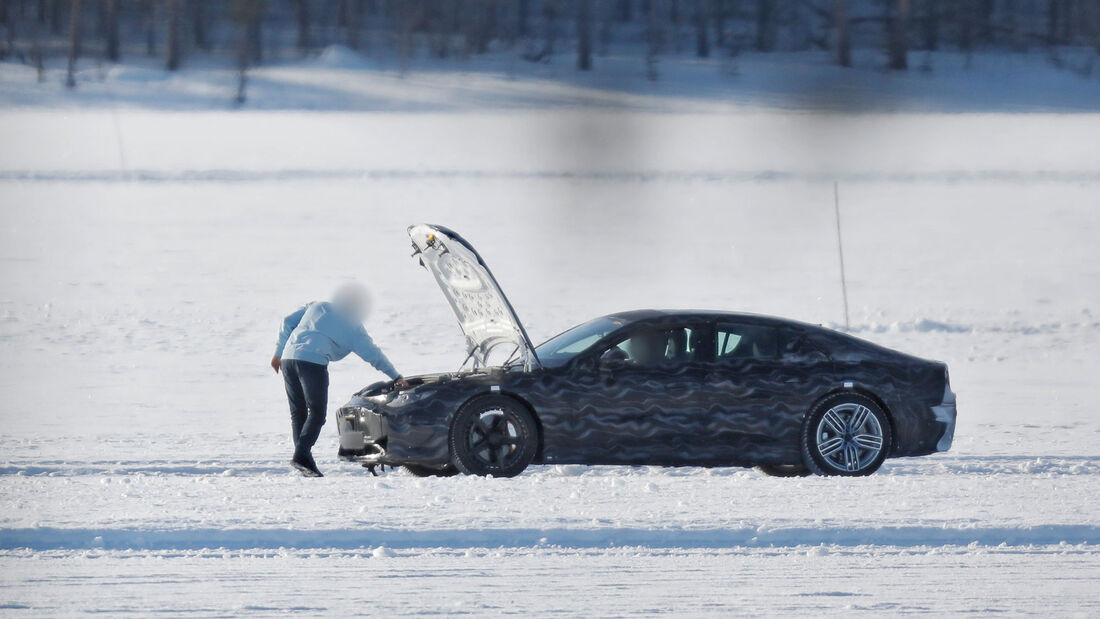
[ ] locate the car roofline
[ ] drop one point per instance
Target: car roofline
(639, 315)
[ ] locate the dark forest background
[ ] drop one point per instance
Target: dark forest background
(251, 32)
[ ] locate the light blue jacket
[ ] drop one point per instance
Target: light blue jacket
(319, 333)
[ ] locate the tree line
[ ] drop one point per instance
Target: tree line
(252, 31)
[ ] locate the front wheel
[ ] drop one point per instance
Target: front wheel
(847, 434)
(493, 435)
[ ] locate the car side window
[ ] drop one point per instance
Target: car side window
(745, 341)
(796, 345)
(661, 347)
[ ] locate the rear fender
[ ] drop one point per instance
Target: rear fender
(863, 391)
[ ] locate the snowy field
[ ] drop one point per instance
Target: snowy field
(149, 252)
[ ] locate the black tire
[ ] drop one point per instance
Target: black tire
(448, 470)
(784, 470)
(835, 446)
(493, 435)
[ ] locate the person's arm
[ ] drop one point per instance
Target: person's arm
(289, 324)
(366, 349)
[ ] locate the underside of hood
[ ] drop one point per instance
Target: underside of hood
(487, 319)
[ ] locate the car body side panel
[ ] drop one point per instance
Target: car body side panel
(755, 409)
(909, 391)
(626, 416)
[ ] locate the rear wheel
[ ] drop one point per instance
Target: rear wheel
(784, 470)
(847, 434)
(448, 470)
(493, 435)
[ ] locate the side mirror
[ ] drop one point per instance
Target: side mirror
(613, 359)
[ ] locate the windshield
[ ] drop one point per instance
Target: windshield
(559, 349)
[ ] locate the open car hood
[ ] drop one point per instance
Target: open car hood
(484, 313)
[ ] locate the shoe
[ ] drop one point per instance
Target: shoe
(306, 465)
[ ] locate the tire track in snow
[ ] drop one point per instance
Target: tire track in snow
(938, 466)
(619, 176)
(50, 538)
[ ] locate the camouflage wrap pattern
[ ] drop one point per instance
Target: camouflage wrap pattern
(711, 413)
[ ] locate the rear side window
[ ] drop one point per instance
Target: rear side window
(745, 341)
(797, 345)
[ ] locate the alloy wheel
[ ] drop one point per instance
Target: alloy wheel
(849, 437)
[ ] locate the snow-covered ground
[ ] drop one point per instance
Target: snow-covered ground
(148, 254)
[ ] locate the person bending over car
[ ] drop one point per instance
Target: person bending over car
(320, 332)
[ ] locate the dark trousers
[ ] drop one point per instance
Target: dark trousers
(307, 390)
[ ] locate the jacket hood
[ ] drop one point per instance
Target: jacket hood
(484, 314)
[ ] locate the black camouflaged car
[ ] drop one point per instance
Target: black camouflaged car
(646, 387)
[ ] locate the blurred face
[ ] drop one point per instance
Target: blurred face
(647, 347)
(353, 300)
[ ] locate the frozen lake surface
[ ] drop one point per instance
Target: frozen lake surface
(149, 255)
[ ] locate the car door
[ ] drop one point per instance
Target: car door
(754, 393)
(637, 394)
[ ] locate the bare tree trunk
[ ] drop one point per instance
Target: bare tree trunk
(653, 36)
(439, 43)
(7, 18)
(985, 21)
(930, 24)
(1094, 12)
(674, 19)
(843, 33)
(404, 41)
(172, 38)
(624, 10)
(478, 25)
(765, 25)
(354, 15)
(899, 38)
(56, 13)
(965, 17)
(721, 15)
(101, 19)
(302, 11)
(150, 27)
(523, 18)
(549, 18)
(584, 35)
(702, 42)
(36, 55)
(255, 38)
(1052, 21)
(198, 24)
(247, 14)
(604, 13)
(74, 43)
(488, 30)
(1057, 21)
(1012, 26)
(1069, 20)
(112, 30)
(243, 47)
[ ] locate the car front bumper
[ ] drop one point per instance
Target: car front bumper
(372, 434)
(363, 434)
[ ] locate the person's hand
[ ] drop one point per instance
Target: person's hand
(276, 363)
(400, 383)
